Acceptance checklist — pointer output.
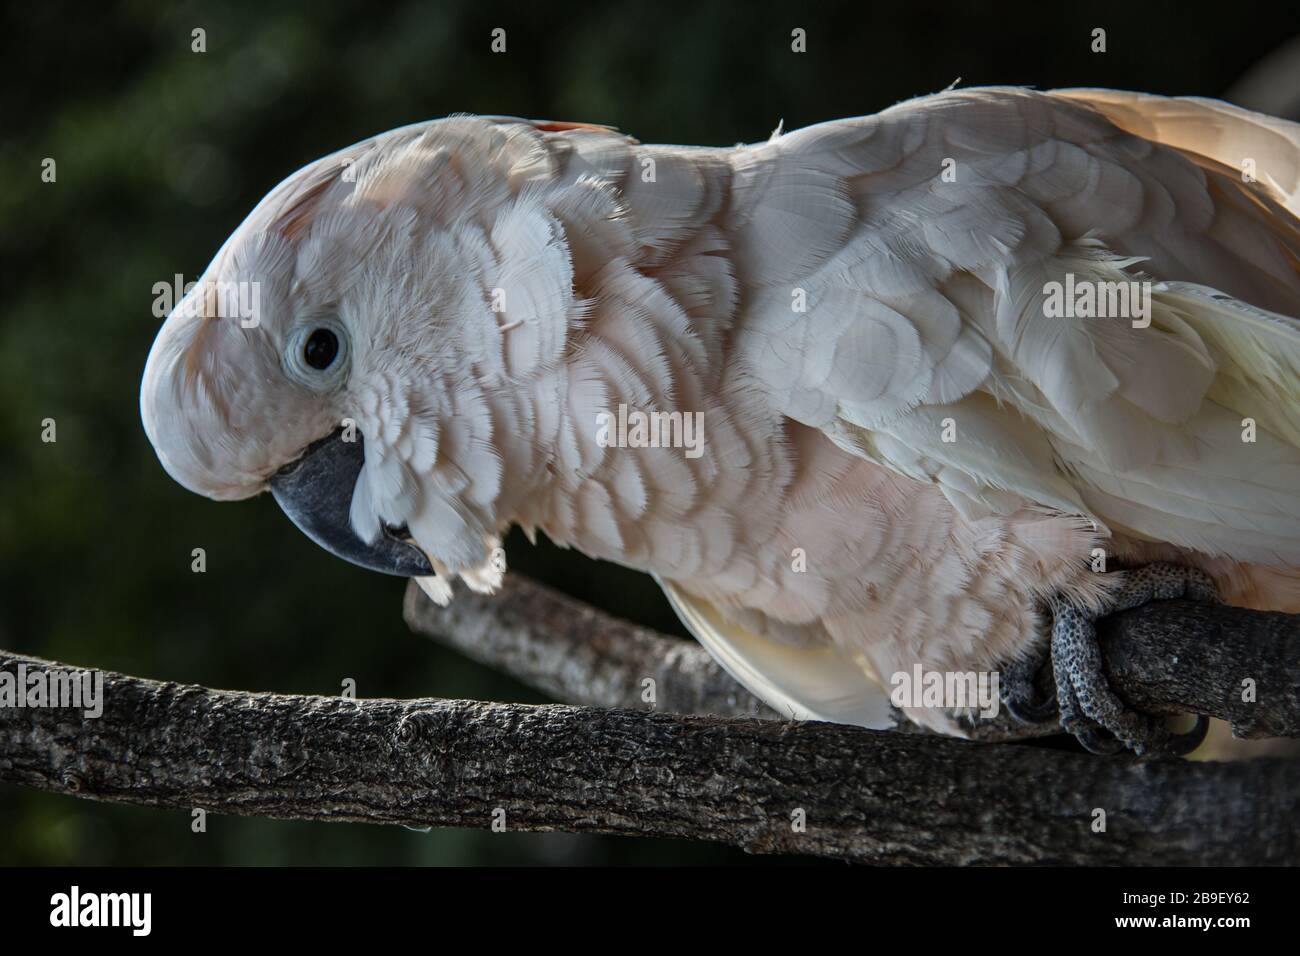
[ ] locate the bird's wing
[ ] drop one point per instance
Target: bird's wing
(799, 683)
(896, 271)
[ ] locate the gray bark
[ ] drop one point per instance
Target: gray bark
(864, 796)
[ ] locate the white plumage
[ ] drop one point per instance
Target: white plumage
(905, 452)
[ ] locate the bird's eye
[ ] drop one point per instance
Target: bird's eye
(317, 354)
(321, 348)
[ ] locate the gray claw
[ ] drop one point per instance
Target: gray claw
(1182, 744)
(1018, 690)
(1099, 741)
(1031, 711)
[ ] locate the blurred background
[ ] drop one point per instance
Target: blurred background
(161, 152)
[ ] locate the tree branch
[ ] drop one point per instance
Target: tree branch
(863, 795)
(578, 654)
(1184, 657)
(1164, 657)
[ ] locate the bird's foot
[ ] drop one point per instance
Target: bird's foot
(1088, 708)
(1018, 689)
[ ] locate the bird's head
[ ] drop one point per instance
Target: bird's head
(343, 348)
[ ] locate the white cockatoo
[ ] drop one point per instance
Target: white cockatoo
(880, 395)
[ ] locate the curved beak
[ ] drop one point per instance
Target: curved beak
(316, 493)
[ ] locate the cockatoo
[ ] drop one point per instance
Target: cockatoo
(881, 394)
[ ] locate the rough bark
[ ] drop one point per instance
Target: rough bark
(1184, 657)
(1163, 657)
(864, 796)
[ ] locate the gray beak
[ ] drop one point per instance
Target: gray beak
(316, 493)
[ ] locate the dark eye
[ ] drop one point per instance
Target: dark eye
(321, 349)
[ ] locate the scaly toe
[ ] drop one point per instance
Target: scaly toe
(1076, 662)
(1090, 705)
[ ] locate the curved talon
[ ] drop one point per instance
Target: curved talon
(1182, 744)
(1031, 711)
(1018, 689)
(1098, 741)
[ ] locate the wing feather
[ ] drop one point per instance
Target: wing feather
(927, 240)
